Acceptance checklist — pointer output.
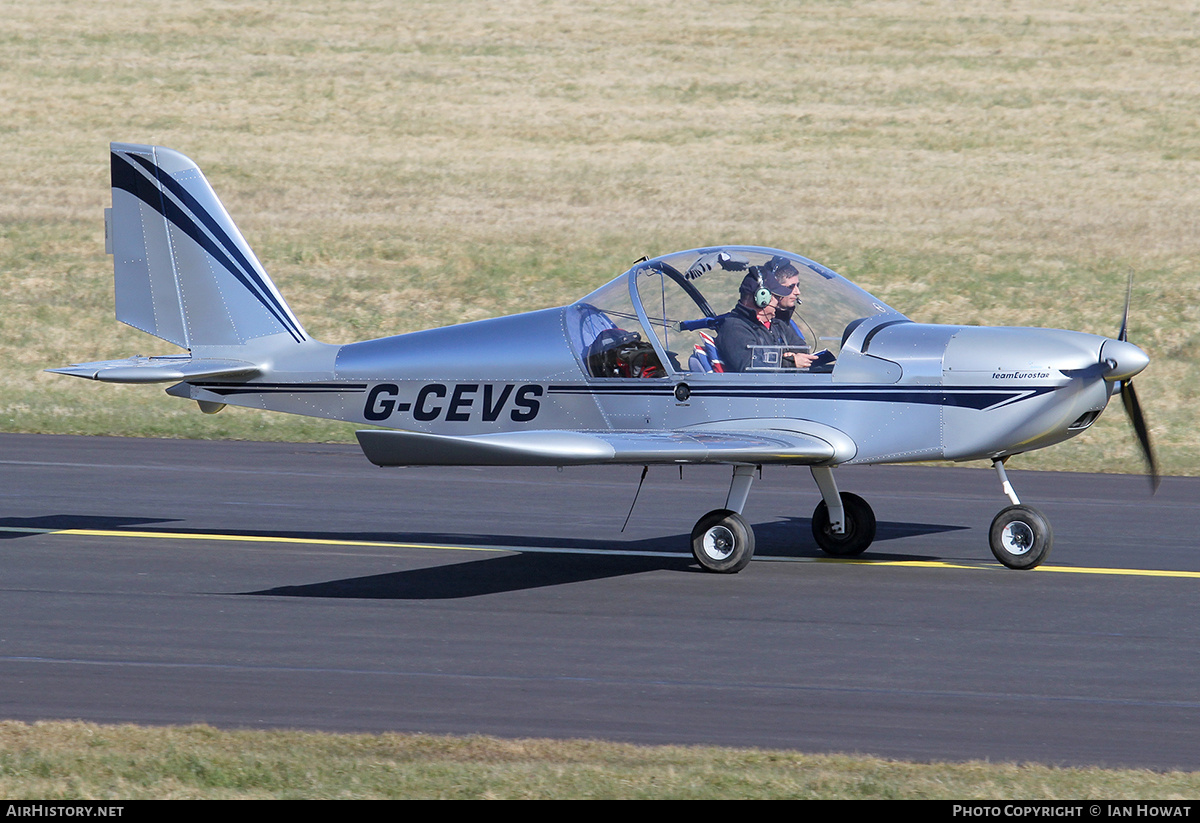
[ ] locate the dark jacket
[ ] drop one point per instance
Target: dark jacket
(741, 329)
(788, 328)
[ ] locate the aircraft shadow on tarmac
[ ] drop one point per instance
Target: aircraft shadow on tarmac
(537, 569)
(15, 526)
(492, 575)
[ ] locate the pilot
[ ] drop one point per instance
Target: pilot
(789, 277)
(752, 321)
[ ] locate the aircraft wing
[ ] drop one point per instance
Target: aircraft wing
(168, 368)
(757, 443)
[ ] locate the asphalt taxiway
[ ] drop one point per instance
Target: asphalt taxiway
(283, 585)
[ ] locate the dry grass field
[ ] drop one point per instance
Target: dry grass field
(65, 761)
(398, 165)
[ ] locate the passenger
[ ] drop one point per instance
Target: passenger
(751, 322)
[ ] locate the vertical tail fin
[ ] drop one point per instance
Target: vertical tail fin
(183, 270)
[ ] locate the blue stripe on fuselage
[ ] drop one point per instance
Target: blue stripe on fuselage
(979, 398)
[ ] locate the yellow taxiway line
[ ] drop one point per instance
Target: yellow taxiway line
(378, 544)
(248, 538)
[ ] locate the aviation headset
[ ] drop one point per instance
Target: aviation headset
(762, 295)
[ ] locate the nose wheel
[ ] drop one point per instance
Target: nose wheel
(1021, 537)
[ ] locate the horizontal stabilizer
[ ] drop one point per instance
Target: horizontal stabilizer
(567, 448)
(166, 369)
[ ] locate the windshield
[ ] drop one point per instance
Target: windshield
(687, 298)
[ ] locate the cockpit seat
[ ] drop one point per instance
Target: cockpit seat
(704, 356)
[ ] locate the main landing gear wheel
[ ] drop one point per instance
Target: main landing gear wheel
(1021, 537)
(723, 542)
(859, 527)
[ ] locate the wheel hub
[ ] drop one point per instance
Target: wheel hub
(1017, 537)
(718, 542)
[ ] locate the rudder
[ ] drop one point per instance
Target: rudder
(183, 271)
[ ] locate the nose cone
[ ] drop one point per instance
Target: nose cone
(1122, 359)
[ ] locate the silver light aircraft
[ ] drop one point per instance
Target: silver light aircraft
(634, 373)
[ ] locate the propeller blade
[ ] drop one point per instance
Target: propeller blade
(1123, 335)
(1134, 409)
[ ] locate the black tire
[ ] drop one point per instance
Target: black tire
(859, 532)
(723, 542)
(1021, 537)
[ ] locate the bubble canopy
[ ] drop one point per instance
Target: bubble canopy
(663, 310)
